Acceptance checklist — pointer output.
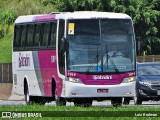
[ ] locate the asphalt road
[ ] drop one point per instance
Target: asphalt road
(106, 103)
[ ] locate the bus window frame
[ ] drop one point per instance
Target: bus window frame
(33, 48)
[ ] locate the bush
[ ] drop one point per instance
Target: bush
(7, 18)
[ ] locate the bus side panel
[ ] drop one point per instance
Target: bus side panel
(23, 67)
(38, 67)
(17, 88)
(48, 68)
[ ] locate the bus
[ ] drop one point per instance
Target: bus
(74, 57)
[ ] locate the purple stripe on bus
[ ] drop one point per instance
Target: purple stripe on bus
(45, 17)
(110, 79)
(48, 68)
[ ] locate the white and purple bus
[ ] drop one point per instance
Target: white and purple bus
(74, 56)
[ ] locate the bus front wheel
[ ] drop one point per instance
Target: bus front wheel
(60, 101)
(116, 102)
(126, 100)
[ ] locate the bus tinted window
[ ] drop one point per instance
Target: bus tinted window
(33, 36)
(30, 32)
(23, 36)
(52, 37)
(37, 36)
(41, 34)
(116, 27)
(17, 36)
(45, 34)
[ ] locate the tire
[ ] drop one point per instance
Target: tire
(32, 99)
(27, 96)
(126, 101)
(60, 101)
(116, 102)
(83, 103)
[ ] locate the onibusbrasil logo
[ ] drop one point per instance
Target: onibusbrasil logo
(10, 115)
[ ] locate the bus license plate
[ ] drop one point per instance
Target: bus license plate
(102, 90)
(158, 92)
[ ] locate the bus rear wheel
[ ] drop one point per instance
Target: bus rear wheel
(33, 99)
(27, 96)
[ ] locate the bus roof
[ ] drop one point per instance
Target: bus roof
(71, 15)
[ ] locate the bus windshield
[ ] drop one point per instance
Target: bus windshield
(100, 45)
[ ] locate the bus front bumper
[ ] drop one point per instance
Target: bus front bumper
(79, 90)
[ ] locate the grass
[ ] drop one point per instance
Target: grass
(91, 113)
(26, 7)
(6, 48)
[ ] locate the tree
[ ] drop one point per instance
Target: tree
(7, 18)
(145, 15)
(81, 5)
(145, 18)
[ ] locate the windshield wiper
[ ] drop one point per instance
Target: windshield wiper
(110, 59)
(113, 64)
(93, 62)
(91, 65)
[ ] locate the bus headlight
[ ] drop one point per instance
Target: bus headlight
(74, 80)
(129, 79)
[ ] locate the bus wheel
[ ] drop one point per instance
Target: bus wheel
(116, 102)
(27, 97)
(59, 100)
(83, 103)
(126, 101)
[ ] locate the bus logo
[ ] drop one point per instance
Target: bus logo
(100, 77)
(24, 60)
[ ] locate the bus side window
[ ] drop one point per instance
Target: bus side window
(45, 35)
(37, 36)
(17, 36)
(23, 36)
(41, 34)
(52, 36)
(30, 32)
